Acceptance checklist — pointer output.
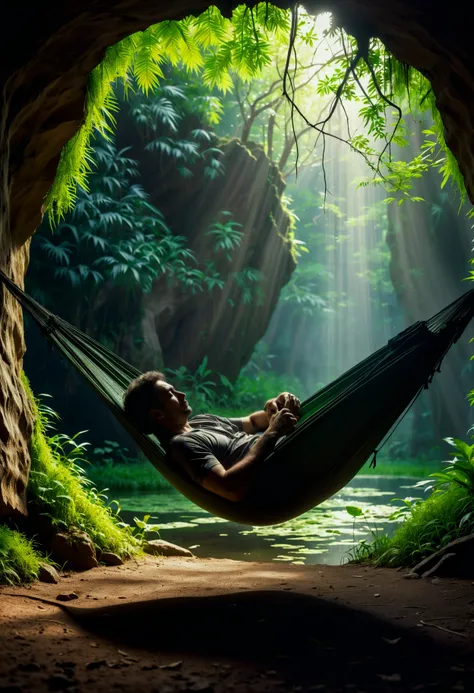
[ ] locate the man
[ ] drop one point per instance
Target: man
(222, 454)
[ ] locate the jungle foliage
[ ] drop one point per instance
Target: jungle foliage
(228, 52)
(427, 524)
(115, 241)
(209, 45)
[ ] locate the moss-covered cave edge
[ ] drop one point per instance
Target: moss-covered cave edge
(61, 498)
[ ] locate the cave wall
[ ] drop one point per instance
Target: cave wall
(15, 408)
(46, 56)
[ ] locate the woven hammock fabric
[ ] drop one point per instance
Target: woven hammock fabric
(340, 426)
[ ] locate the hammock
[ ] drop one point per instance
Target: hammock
(340, 426)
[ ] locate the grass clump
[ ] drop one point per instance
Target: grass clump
(59, 489)
(428, 524)
(19, 561)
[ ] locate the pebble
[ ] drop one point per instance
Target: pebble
(67, 597)
(29, 666)
(59, 682)
(95, 664)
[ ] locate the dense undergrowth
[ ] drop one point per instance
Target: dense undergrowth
(59, 491)
(428, 524)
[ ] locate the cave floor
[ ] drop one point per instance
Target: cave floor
(175, 624)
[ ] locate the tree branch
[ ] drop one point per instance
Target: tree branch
(271, 127)
(288, 148)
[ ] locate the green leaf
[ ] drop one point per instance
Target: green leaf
(354, 511)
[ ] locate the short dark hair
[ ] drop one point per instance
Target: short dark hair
(140, 397)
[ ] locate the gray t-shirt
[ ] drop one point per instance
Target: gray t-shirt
(213, 440)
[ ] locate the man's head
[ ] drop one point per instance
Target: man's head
(154, 406)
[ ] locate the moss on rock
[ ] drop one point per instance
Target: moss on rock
(59, 488)
(60, 498)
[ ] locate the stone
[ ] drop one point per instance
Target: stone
(59, 682)
(67, 597)
(48, 574)
(110, 558)
(74, 549)
(159, 547)
(29, 666)
(96, 664)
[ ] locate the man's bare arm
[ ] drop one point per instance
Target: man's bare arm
(235, 482)
(256, 422)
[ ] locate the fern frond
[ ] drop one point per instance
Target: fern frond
(190, 54)
(146, 68)
(216, 68)
(211, 28)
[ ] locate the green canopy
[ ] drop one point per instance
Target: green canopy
(340, 427)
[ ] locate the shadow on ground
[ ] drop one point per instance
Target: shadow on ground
(295, 635)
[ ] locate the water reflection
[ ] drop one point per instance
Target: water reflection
(322, 535)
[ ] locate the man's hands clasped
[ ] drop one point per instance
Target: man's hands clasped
(283, 413)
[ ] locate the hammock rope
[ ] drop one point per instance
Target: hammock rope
(341, 426)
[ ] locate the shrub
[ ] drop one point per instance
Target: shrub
(19, 561)
(432, 523)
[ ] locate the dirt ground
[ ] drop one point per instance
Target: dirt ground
(176, 624)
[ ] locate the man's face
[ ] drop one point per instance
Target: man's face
(174, 409)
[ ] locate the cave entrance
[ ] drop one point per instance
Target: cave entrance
(221, 228)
